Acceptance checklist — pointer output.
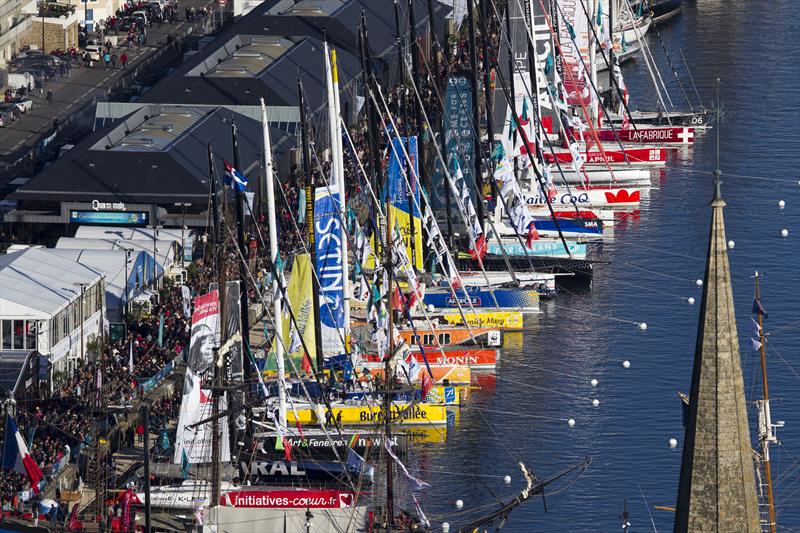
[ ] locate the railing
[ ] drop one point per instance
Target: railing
(151, 383)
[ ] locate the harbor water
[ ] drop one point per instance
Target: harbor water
(652, 264)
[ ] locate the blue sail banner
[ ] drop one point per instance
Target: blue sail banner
(331, 267)
(404, 200)
(459, 139)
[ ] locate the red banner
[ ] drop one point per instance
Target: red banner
(288, 499)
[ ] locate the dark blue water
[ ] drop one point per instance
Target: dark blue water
(654, 262)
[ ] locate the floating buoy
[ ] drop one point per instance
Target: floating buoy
(784, 232)
(643, 325)
(595, 402)
(673, 443)
(445, 527)
(699, 282)
(593, 382)
(507, 480)
(781, 204)
(731, 244)
(626, 364)
(459, 504)
(690, 300)
(571, 422)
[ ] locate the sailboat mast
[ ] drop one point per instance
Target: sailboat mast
(765, 421)
(243, 272)
(476, 112)
(277, 301)
(312, 243)
(387, 399)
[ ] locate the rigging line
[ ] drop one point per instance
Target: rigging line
(647, 506)
(783, 327)
(537, 387)
(305, 348)
(648, 57)
(654, 272)
(543, 369)
(523, 415)
(499, 438)
(660, 250)
(773, 349)
(689, 72)
(744, 176)
(590, 313)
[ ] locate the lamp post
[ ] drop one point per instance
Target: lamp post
(183, 206)
(83, 291)
(125, 308)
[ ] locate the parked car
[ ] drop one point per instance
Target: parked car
(95, 51)
(39, 76)
(48, 69)
(141, 14)
(18, 80)
(23, 103)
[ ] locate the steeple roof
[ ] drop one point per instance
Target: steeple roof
(717, 491)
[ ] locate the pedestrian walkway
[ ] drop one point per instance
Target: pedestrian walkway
(73, 92)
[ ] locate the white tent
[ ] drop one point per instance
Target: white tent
(165, 250)
(183, 237)
(114, 265)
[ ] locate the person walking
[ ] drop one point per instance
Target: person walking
(50, 96)
(114, 61)
(123, 59)
(107, 59)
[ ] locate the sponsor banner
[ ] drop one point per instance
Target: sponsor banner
(495, 319)
(448, 336)
(650, 156)
(331, 268)
(601, 197)
(541, 249)
(205, 331)
(667, 134)
(405, 414)
(288, 499)
(437, 395)
(480, 297)
(196, 441)
(459, 139)
(471, 357)
(235, 356)
(316, 445)
(403, 204)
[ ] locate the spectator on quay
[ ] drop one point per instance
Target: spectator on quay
(114, 61)
(50, 96)
(123, 59)
(107, 59)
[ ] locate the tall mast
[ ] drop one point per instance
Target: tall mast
(765, 433)
(387, 399)
(476, 112)
(243, 271)
(277, 301)
(416, 177)
(312, 243)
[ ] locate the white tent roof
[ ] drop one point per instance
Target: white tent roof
(132, 234)
(37, 283)
(165, 249)
(112, 264)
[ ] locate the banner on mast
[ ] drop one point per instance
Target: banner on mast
(405, 201)
(205, 331)
(197, 441)
(331, 269)
(459, 140)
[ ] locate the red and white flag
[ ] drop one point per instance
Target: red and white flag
(16, 456)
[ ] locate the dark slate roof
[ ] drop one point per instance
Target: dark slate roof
(277, 83)
(175, 171)
(13, 370)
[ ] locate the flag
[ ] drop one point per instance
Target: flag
(354, 461)
(413, 368)
(758, 309)
(458, 186)
(427, 383)
(184, 464)
(186, 294)
(756, 327)
(417, 484)
(16, 456)
(233, 176)
(130, 359)
(756, 345)
(74, 524)
(161, 330)
(423, 520)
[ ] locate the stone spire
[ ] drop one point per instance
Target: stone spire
(717, 491)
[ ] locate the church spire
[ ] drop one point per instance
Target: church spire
(717, 491)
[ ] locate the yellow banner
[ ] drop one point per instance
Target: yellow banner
(352, 415)
(402, 222)
(494, 319)
(302, 301)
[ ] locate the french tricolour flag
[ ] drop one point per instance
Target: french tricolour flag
(234, 176)
(16, 456)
